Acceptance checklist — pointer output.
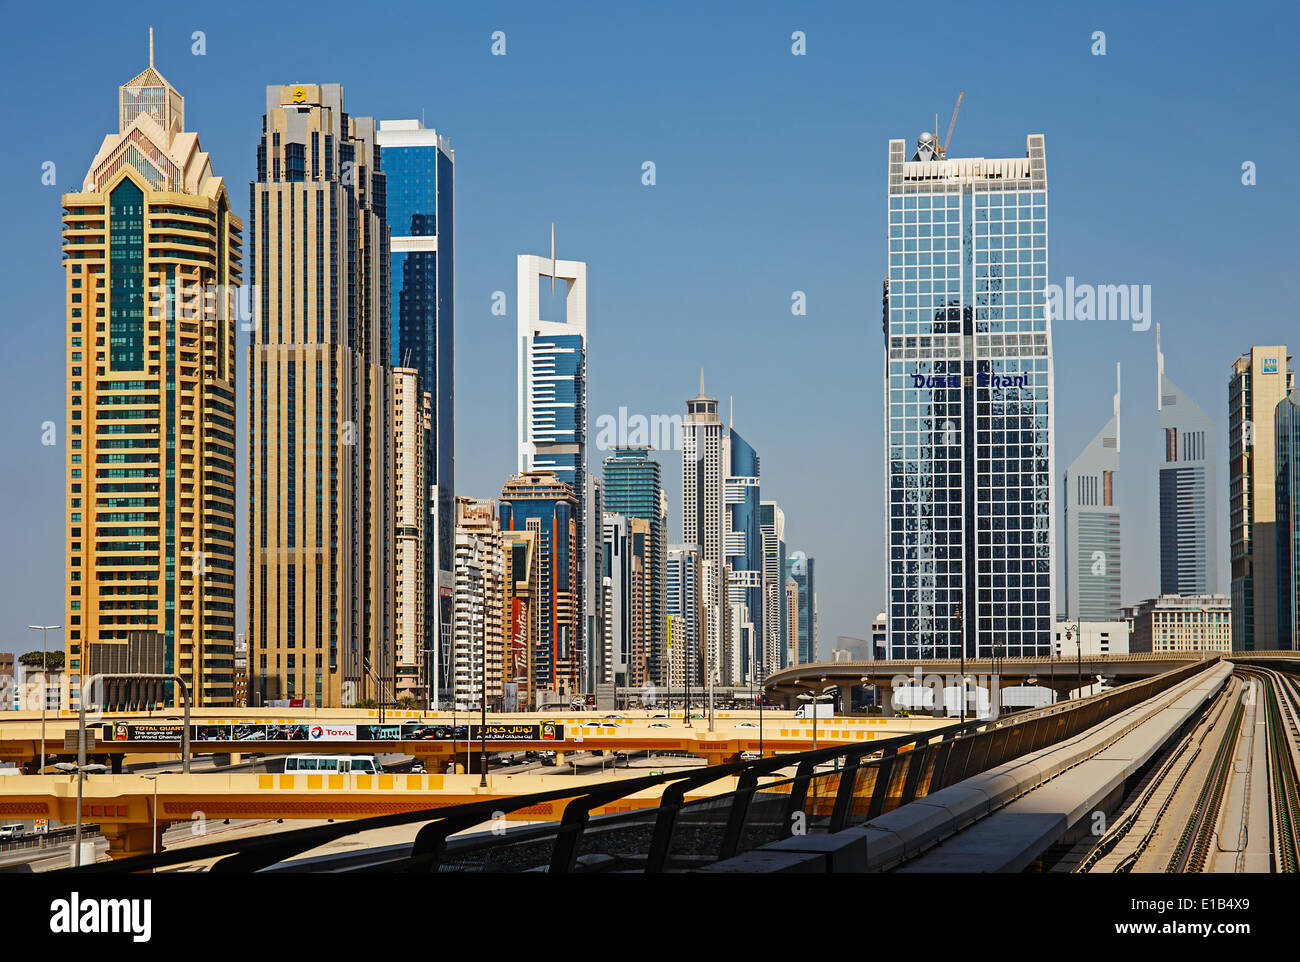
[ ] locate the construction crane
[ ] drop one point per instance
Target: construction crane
(943, 151)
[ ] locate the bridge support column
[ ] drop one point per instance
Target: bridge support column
(115, 763)
(128, 839)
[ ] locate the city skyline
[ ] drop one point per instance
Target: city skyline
(802, 509)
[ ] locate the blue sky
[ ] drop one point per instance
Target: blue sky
(770, 174)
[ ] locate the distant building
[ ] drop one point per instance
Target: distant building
(633, 488)
(803, 570)
(1189, 506)
(1178, 623)
(522, 605)
(411, 509)
(880, 637)
(1260, 380)
(685, 606)
(792, 619)
(1091, 638)
(481, 552)
(1091, 552)
(775, 626)
(539, 502)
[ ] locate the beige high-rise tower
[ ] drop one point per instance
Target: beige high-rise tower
(1260, 380)
(321, 521)
(151, 255)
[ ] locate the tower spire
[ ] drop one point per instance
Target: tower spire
(701, 382)
(151, 46)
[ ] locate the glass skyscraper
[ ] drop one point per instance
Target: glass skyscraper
(419, 166)
(633, 487)
(742, 549)
(968, 405)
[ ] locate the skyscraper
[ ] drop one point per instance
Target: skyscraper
(618, 582)
(802, 570)
(419, 166)
(540, 503)
(552, 392)
(479, 548)
(151, 256)
(968, 413)
(682, 582)
(1189, 530)
(1092, 526)
(705, 464)
(633, 488)
(775, 627)
(1260, 380)
(411, 421)
(321, 566)
(743, 555)
(1287, 451)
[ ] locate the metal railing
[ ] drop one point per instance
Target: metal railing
(773, 798)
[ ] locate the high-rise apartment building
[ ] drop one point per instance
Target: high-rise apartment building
(540, 503)
(480, 549)
(685, 603)
(419, 167)
(633, 488)
(1260, 380)
(803, 571)
(411, 420)
(792, 618)
(968, 387)
(152, 256)
(1286, 420)
(1189, 530)
(771, 521)
(320, 464)
(1092, 526)
(552, 420)
(617, 582)
(522, 607)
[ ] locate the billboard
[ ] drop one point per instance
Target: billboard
(121, 731)
(332, 733)
(518, 638)
(548, 730)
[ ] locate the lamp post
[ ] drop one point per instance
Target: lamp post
(482, 701)
(45, 668)
(154, 779)
(1074, 631)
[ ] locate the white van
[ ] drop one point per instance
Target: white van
(10, 832)
(333, 764)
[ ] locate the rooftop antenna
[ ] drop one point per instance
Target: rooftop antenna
(731, 417)
(151, 46)
(701, 382)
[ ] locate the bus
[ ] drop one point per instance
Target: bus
(334, 764)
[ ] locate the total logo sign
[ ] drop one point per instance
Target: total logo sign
(332, 733)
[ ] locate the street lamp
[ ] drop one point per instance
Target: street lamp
(1074, 631)
(961, 635)
(812, 699)
(82, 770)
(154, 779)
(45, 697)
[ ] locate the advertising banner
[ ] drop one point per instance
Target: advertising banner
(332, 733)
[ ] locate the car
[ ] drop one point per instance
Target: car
(750, 756)
(659, 725)
(696, 715)
(613, 716)
(548, 759)
(659, 716)
(746, 725)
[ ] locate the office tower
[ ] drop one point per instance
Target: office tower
(411, 425)
(321, 566)
(633, 488)
(803, 571)
(772, 525)
(1189, 530)
(684, 602)
(419, 166)
(1260, 380)
(1286, 419)
(592, 583)
(521, 606)
(152, 257)
(552, 392)
(539, 502)
(617, 580)
(478, 536)
(1092, 526)
(1181, 623)
(743, 554)
(968, 414)
(703, 460)
(791, 618)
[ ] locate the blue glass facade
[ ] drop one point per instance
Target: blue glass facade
(968, 386)
(633, 487)
(743, 543)
(421, 218)
(559, 398)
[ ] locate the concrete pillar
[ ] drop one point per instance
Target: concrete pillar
(128, 839)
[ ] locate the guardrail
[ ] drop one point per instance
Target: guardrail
(767, 804)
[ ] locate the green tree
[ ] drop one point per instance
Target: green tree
(53, 661)
(406, 701)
